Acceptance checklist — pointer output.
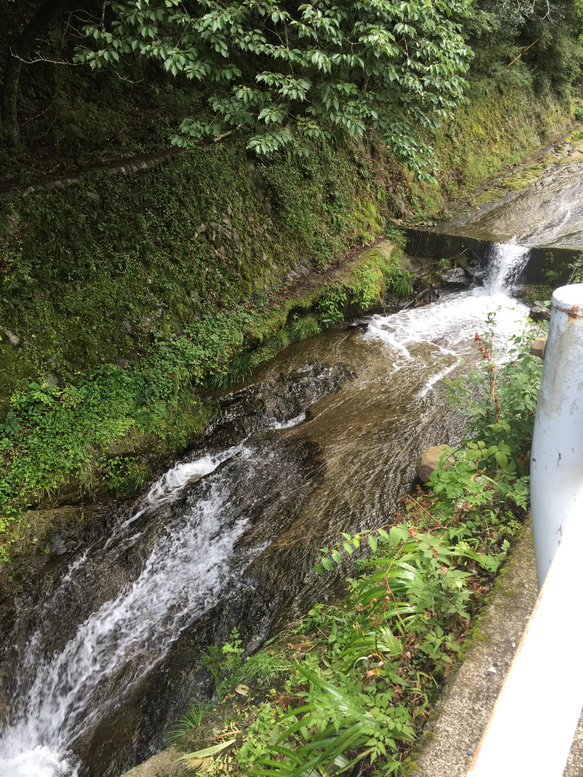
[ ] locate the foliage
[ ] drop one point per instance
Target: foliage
(577, 270)
(401, 282)
(125, 474)
(50, 432)
(360, 289)
(261, 668)
(63, 434)
(533, 41)
(223, 662)
(331, 304)
(502, 421)
(298, 74)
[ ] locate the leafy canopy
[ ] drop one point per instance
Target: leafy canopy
(294, 73)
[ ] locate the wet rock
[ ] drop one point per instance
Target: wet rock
(358, 322)
(265, 485)
(539, 313)
(427, 462)
(301, 270)
(457, 276)
(58, 545)
(276, 401)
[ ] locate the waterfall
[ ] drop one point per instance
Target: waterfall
(192, 556)
(506, 261)
(182, 577)
(449, 322)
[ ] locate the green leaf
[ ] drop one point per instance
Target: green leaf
(207, 751)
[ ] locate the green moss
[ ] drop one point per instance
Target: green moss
(496, 129)
(109, 431)
(88, 278)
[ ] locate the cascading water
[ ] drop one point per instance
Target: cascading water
(184, 573)
(208, 523)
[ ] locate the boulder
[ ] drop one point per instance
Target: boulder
(428, 461)
(277, 401)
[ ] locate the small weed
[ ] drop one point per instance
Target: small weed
(261, 669)
(197, 711)
(224, 662)
(331, 304)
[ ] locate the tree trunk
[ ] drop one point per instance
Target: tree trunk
(42, 18)
(10, 90)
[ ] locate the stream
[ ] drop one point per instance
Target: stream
(106, 655)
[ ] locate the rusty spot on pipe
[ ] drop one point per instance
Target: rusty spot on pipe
(573, 312)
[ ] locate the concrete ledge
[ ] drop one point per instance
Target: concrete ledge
(454, 733)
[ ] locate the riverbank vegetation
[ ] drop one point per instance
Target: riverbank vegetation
(147, 258)
(88, 438)
(355, 682)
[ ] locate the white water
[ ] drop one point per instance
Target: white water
(189, 564)
(181, 579)
(448, 325)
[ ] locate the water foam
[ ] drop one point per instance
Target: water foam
(449, 323)
(40, 762)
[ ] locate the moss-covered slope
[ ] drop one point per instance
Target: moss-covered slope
(122, 292)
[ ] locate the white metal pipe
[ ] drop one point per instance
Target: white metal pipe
(556, 470)
(535, 718)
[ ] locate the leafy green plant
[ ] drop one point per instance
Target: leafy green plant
(304, 327)
(400, 282)
(126, 474)
(261, 668)
(366, 289)
(333, 720)
(331, 303)
(502, 419)
(223, 662)
(577, 264)
(295, 76)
